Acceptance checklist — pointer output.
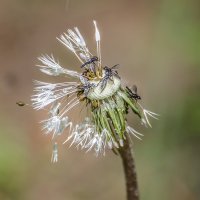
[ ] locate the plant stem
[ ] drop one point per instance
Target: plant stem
(129, 170)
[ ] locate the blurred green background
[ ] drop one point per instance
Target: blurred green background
(157, 44)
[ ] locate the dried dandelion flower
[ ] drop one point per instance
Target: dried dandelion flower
(98, 87)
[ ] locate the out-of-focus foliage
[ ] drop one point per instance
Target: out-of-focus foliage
(157, 46)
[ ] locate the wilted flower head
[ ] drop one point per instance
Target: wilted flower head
(99, 88)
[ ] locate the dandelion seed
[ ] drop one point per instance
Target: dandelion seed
(99, 87)
(54, 157)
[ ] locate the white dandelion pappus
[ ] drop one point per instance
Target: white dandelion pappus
(51, 67)
(54, 157)
(99, 88)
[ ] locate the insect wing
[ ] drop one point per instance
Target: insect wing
(84, 56)
(134, 89)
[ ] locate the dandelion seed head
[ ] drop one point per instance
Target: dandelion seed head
(97, 87)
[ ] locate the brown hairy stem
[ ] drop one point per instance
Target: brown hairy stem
(129, 170)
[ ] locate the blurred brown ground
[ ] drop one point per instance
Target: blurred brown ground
(157, 44)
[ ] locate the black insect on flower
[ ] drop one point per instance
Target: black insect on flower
(133, 93)
(90, 61)
(109, 73)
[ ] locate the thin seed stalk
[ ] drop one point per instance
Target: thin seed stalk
(129, 170)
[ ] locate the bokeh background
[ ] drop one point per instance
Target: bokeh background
(157, 44)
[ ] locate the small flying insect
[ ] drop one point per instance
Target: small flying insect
(90, 61)
(86, 86)
(109, 73)
(21, 103)
(133, 93)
